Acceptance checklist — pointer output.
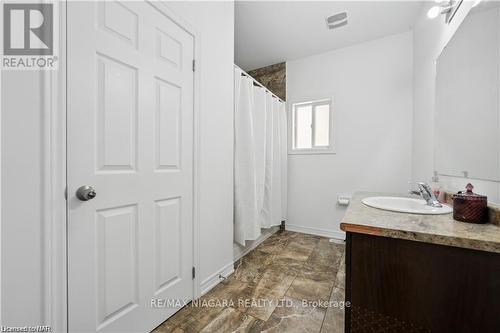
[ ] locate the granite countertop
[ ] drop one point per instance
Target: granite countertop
(436, 229)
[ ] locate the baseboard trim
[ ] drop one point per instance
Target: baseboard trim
(255, 243)
(214, 279)
(316, 231)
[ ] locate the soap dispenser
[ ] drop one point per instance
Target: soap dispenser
(437, 189)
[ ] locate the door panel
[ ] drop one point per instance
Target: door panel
(130, 135)
(117, 116)
(117, 256)
(168, 117)
(167, 243)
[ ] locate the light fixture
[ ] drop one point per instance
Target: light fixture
(442, 7)
(336, 21)
(434, 12)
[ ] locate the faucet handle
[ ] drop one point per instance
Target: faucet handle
(414, 192)
(424, 186)
(425, 191)
(413, 188)
(428, 194)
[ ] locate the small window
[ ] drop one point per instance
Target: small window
(311, 127)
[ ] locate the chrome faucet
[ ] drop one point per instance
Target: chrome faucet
(425, 191)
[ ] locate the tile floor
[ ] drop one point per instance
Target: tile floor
(275, 288)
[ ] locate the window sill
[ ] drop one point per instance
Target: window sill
(312, 152)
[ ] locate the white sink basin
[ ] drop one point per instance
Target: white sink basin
(405, 205)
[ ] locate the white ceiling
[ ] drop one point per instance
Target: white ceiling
(269, 32)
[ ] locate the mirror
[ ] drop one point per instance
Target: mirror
(467, 114)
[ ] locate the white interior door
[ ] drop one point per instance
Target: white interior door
(130, 135)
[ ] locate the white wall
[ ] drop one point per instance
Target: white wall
(32, 204)
(21, 200)
(371, 86)
(25, 276)
(430, 37)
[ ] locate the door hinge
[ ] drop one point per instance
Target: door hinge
(66, 193)
(194, 65)
(194, 272)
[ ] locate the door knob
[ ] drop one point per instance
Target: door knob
(85, 193)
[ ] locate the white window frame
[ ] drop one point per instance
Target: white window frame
(292, 130)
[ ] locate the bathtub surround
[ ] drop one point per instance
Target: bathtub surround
(371, 87)
(289, 268)
(273, 77)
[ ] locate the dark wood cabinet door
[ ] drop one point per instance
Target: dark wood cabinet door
(401, 286)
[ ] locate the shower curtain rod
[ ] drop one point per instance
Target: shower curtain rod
(258, 83)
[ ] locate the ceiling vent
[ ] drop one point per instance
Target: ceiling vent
(336, 21)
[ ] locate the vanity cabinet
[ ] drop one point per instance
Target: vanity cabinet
(403, 286)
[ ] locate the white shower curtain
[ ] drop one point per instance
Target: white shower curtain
(266, 211)
(260, 159)
(276, 165)
(259, 117)
(283, 159)
(246, 224)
